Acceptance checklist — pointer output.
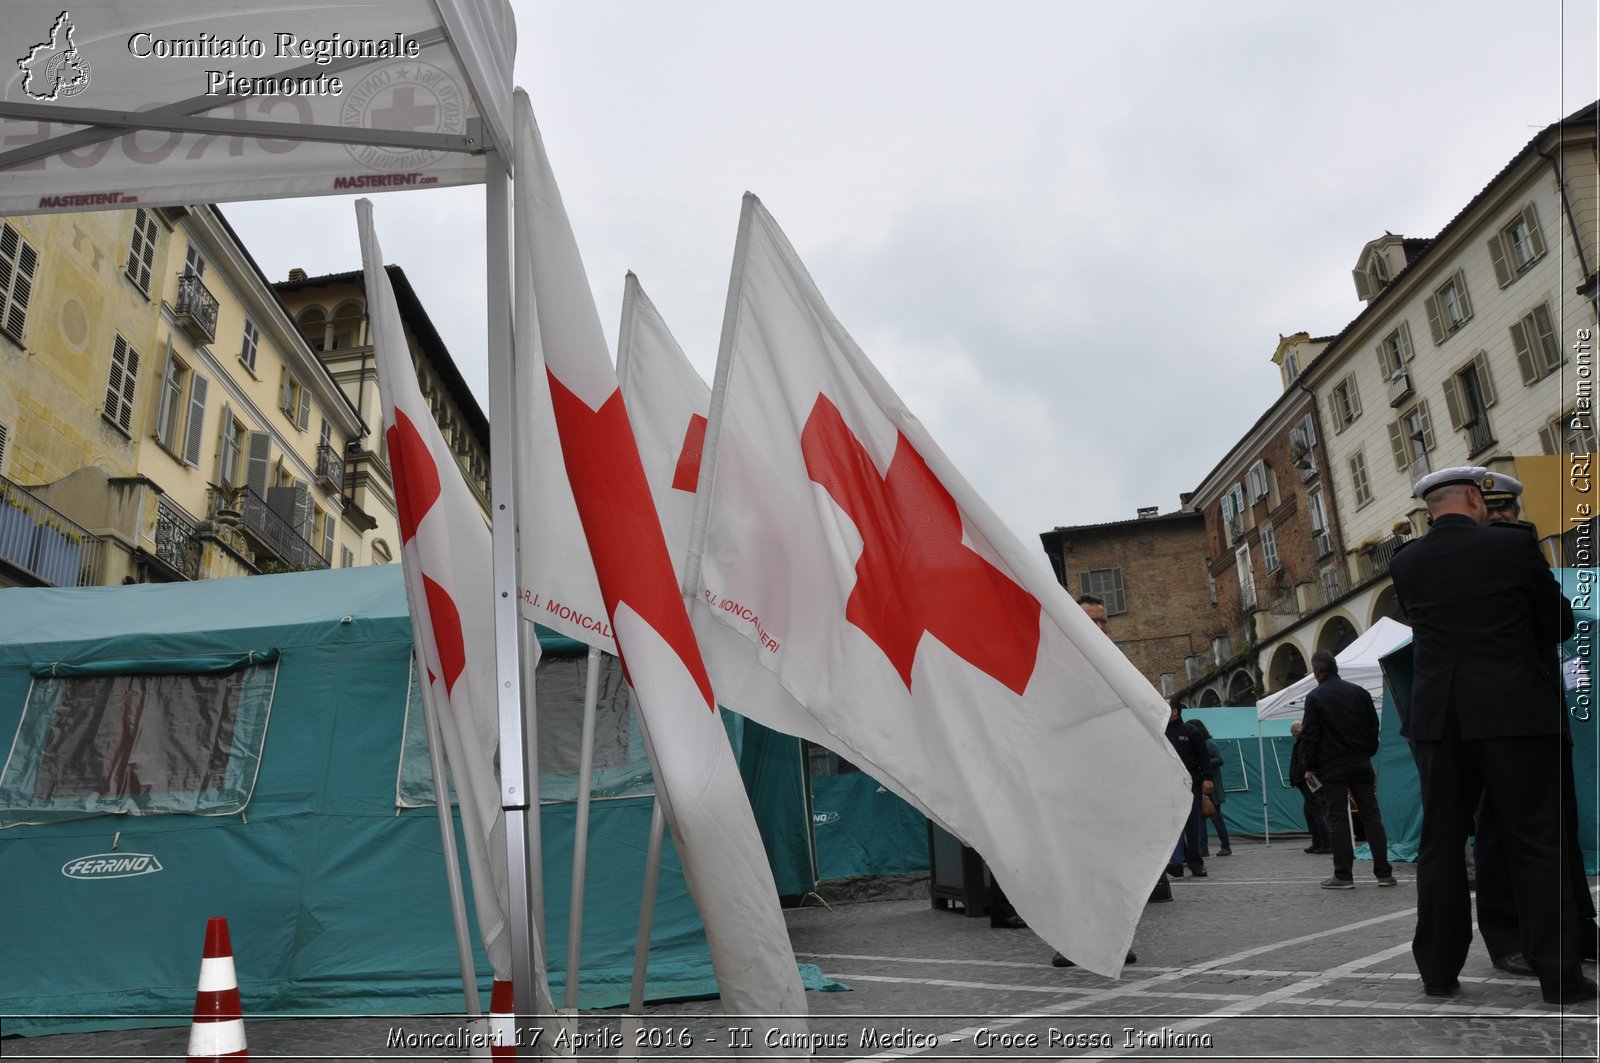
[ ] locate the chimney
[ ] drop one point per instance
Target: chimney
(1146, 512)
(296, 275)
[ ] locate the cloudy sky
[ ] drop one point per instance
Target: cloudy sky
(1069, 234)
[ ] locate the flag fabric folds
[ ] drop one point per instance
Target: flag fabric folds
(697, 780)
(851, 588)
(667, 405)
(445, 550)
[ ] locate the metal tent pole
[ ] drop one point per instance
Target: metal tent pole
(452, 864)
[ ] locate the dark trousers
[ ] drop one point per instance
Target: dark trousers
(1222, 828)
(1316, 816)
(1497, 913)
(1188, 849)
(1517, 779)
(1336, 793)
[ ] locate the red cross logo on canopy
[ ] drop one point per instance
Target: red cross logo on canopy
(915, 575)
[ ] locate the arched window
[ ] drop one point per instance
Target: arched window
(313, 322)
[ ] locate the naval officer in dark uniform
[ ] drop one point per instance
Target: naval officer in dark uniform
(1486, 722)
(1495, 902)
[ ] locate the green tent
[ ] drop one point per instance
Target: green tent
(308, 830)
(1261, 801)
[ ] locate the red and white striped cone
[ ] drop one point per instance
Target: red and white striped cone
(218, 1029)
(502, 1021)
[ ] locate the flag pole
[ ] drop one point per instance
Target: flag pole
(518, 779)
(447, 839)
(580, 832)
(634, 1020)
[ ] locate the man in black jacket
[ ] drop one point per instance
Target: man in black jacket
(1486, 721)
(1339, 737)
(1495, 900)
(1316, 816)
(1192, 751)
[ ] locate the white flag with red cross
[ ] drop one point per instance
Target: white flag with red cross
(854, 590)
(445, 550)
(697, 780)
(667, 404)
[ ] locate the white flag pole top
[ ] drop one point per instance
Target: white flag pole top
(854, 590)
(697, 780)
(108, 104)
(446, 555)
(667, 404)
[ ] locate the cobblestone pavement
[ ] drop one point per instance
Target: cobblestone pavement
(1254, 962)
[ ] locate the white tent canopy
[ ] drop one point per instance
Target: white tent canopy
(168, 102)
(1358, 662)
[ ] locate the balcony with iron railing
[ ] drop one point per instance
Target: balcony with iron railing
(330, 469)
(197, 309)
(177, 542)
(40, 541)
(1373, 562)
(266, 527)
(1479, 437)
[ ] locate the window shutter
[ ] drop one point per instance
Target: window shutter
(1497, 255)
(328, 524)
(1386, 363)
(286, 395)
(258, 462)
(1397, 444)
(1363, 284)
(1452, 402)
(1461, 290)
(1519, 341)
(1355, 396)
(1546, 336)
(224, 433)
(305, 511)
(1427, 425)
(1434, 326)
(1407, 352)
(164, 430)
(1550, 438)
(1530, 218)
(1485, 380)
(197, 420)
(304, 417)
(18, 260)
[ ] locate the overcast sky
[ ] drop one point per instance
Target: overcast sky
(1069, 234)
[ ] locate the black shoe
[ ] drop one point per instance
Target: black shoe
(1576, 992)
(1337, 883)
(1224, 852)
(1387, 880)
(1311, 849)
(1200, 873)
(1059, 960)
(1324, 851)
(1441, 990)
(1175, 870)
(1513, 963)
(1008, 922)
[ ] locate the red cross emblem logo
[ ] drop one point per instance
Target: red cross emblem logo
(915, 575)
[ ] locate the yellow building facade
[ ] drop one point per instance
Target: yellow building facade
(162, 417)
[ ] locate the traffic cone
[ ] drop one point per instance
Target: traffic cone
(217, 1032)
(502, 1021)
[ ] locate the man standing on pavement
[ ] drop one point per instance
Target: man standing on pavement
(1316, 816)
(1497, 915)
(1339, 737)
(1192, 751)
(1486, 722)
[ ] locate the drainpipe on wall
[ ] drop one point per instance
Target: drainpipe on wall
(1572, 224)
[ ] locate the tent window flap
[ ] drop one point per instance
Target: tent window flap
(143, 742)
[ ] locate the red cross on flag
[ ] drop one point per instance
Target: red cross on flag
(855, 591)
(667, 403)
(445, 550)
(697, 779)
